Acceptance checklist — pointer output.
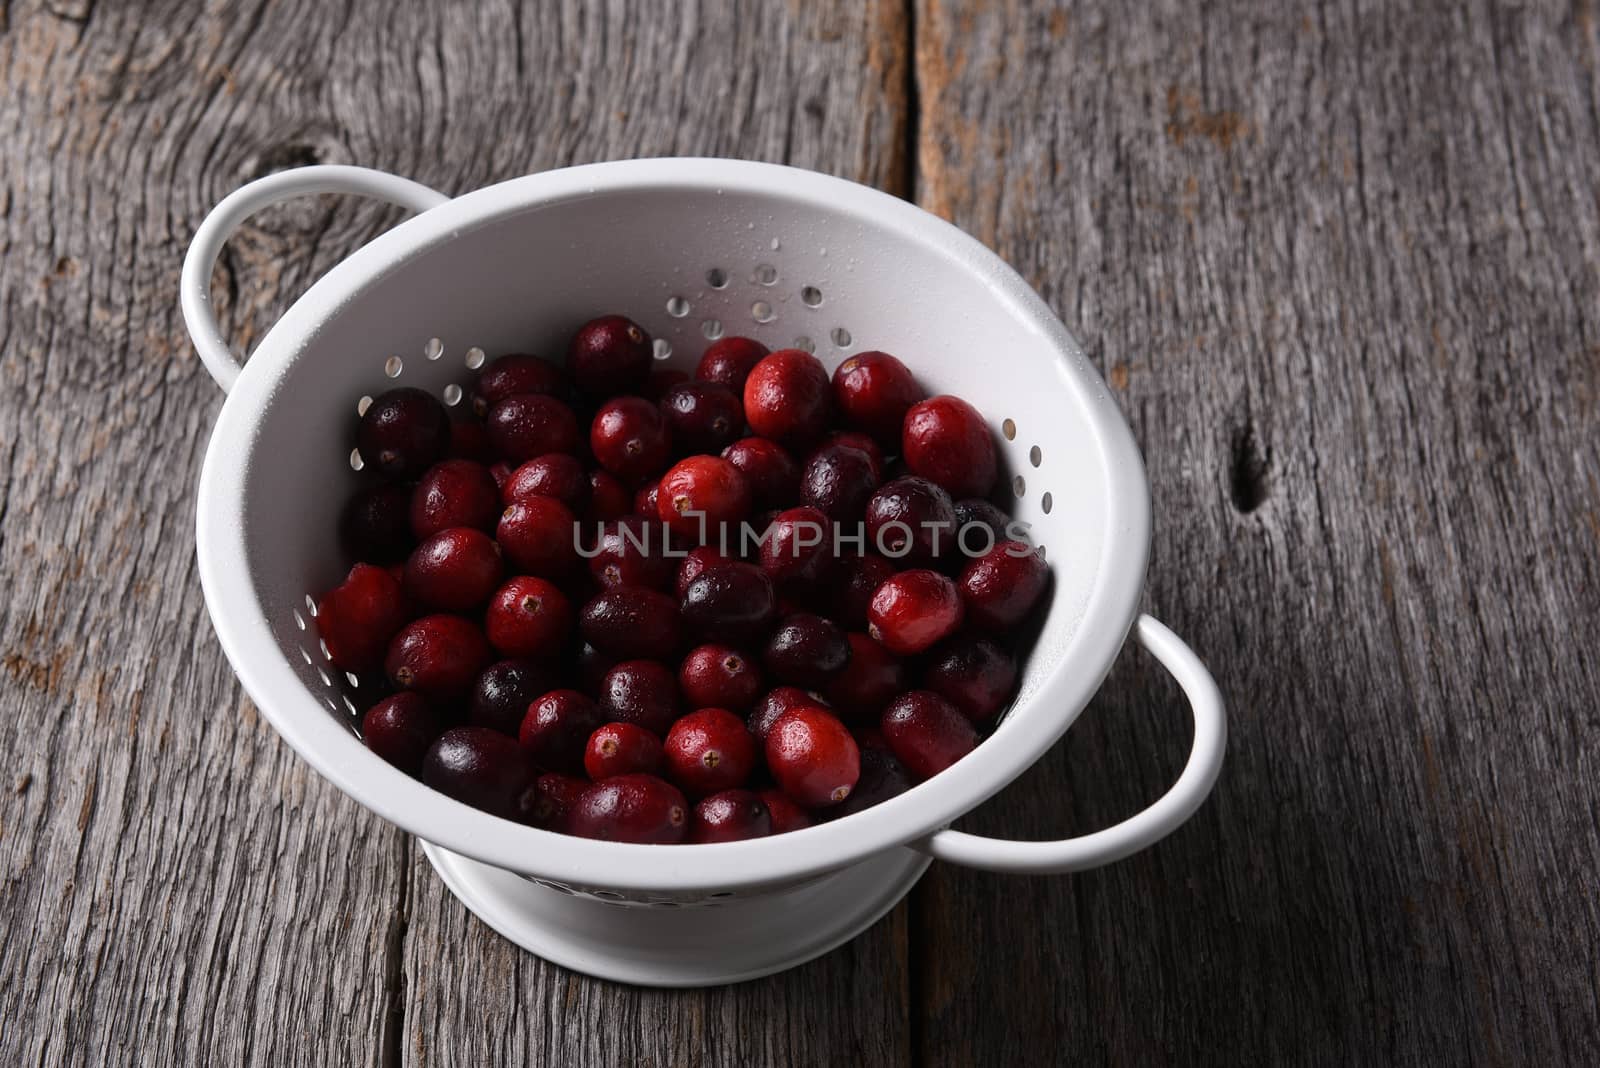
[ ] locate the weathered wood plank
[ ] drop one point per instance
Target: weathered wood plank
(1339, 262)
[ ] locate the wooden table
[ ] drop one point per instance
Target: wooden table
(1338, 263)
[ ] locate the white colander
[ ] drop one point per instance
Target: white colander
(691, 249)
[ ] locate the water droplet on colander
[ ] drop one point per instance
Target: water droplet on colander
(776, 244)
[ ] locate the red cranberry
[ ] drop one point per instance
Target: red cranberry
(838, 481)
(538, 535)
(973, 514)
(556, 727)
(632, 551)
(798, 546)
(469, 440)
(454, 493)
(874, 391)
(786, 816)
(696, 562)
(513, 374)
(455, 570)
(1001, 587)
(730, 361)
(609, 355)
(357, 618)
(787, 397)
(482, 768)
(852, 595)
(529, 616)
(403, 432)
(771, 472)
(729, 816)
(927, 732)
(503, 691)
(861, 443)
(645, 502)
(608, 498)
(914, 609)
(622, 749)
(871, 678)
(806, 650)
(555, 798)
(813, 757)
(718, 676)
(555, 474)
(376, 524)
(630, 438)
(632, 808)
(975, 675)
(774, 704)
(642, 692)
(400, 728)
(663, 380)
(526, 425)
(702, 416)
(733, 603)
(703, 497)
(708, 751)
(632, 621)
(912, 519)
(947, 441)
(882, 777)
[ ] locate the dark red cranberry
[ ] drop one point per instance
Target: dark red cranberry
(539, 536)
(718, 676)
(504, 690)
(974, 674)
(913, 610)
(622, 749)
(555, 798)
(511, 375)
(868, 736)
(646, 501)
(454, 493)
(608, 356)
(482, 768)
(695, 562)
(774, 704)
(1001, 587)
(730, 361)
(632, 621)
(469, 440)
(798, 546)
(729, 816)
(873, 391)
(376, 524)
(529, 616)
(501, 473)
(454, 570)
(806, 650)
(859, 580)
(662, 380)
(913, 520)
(592, 667)
(704, 498)
(556, 727)
(400, 728)
(632, 808)
(927, 732)
(554, 474)
(787, 398)
(773, 476)
(872, 677)
(973, 516)
(838, 481)
(945, 440)
(630, 438)
(404, 432)
(708, 751)
(813, 756)
(786, 816)
(608, 498)
(526, 425)
(642, 692)
(732, 603)
(702, 416)
(882, 777)
(632, 551)
(357, 618)
(862, 443)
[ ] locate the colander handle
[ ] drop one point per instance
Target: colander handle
(1136, 832)
(239, 205)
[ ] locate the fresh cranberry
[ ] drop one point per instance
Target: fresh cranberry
(609, 355)
(702, 416)
(718, 676)
(869, 680)
(400, 728)
(454, 493)
(529, 616)
(882, 777)
(786, 816)
(806, 650)
(454, 570)
(513, 374)
(469, 440)
(555, 798)
(662, 380)
(775, 704)
(787, 398)
(642, 692)
(608, 498)
(927, 732)
(729, 361)
(537, 534)
(632, 621)
(839, 480)
(912, 519)
(632, 808)
(632, 551)
(555, 474)
(630, 438)
(852, 595)
(974, 674)
(376, 524)
(695, 562)
(526, 425)
(914, 609)
(874, 391)
(947, 441)
(797, 548)
(732, 603)
(861, 443)
(771, 472)
(503, 691)
(1001, 587)
(482, 768)
(729, 816)
(556, 727)
(975, 513)
(813, 756)
(357, 618)
(404, 432)
(703, 497)
(622, 749)
(709, 750)
(645, 501)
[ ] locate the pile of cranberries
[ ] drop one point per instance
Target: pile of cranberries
(734, 605)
